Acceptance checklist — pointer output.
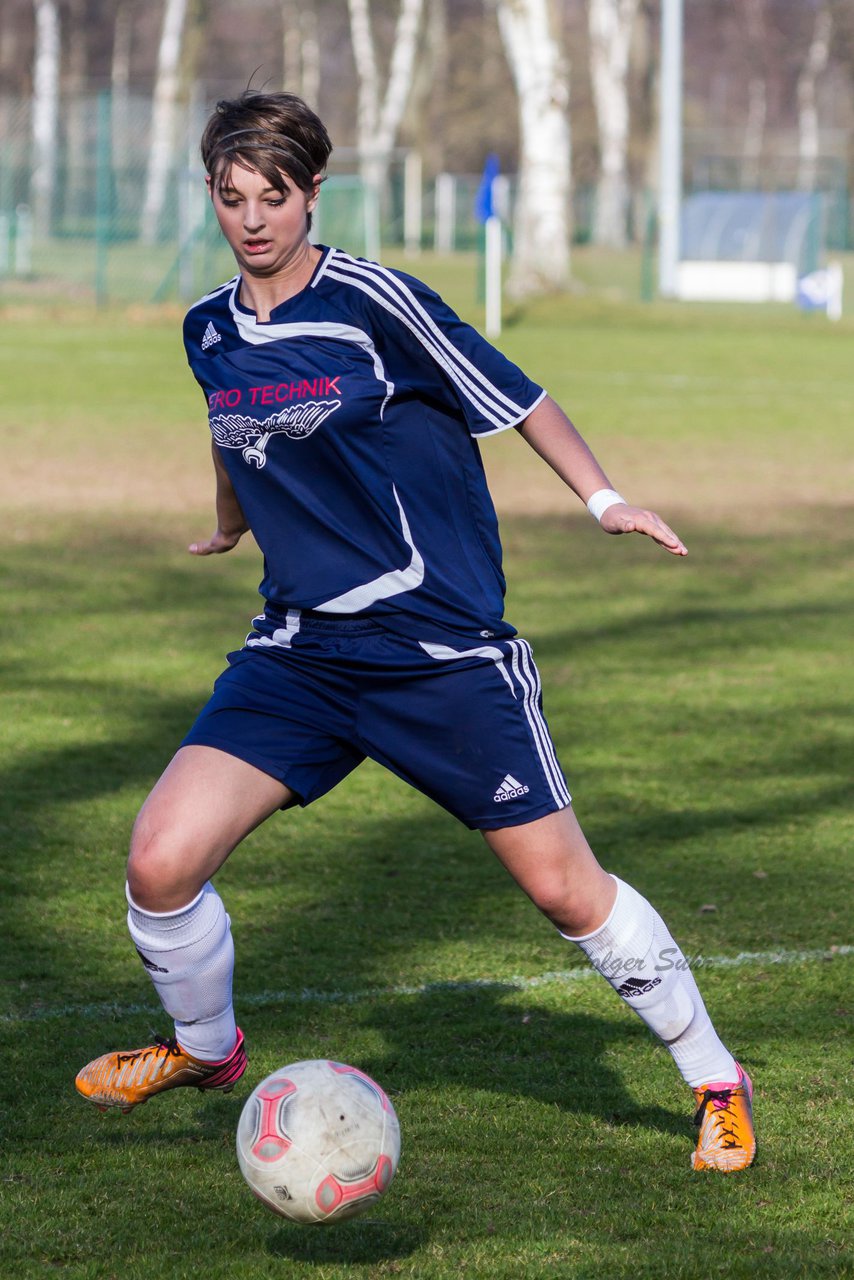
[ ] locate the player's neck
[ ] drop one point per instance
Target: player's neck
(262, 293)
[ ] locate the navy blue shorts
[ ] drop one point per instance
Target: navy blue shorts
(308, 698)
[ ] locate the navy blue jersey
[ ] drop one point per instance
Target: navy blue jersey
(347, 424)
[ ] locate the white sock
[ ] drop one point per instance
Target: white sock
(189, 956)
(635, 952)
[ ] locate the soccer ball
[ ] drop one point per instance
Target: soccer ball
(318, 1141)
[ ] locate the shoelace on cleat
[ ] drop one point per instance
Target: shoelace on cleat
(170, 1045)
(720, 1099)
(162, 1047)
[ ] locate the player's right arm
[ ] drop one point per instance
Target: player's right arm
(550, 433)
(231, 523)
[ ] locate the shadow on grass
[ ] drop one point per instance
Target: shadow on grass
(362, 1241)
(376, 877)
(488, 1045)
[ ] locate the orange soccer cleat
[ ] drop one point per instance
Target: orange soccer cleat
(126, 1079)
(725, 1119)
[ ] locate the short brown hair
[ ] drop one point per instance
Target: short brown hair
(274, 133)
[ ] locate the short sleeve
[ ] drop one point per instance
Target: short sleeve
(422, 338)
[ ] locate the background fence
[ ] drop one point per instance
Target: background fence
(83, 227)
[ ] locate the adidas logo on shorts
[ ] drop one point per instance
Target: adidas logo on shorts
(510, 789)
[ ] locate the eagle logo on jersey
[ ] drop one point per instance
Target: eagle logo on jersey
(236, 431)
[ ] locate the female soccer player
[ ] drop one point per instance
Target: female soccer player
(345, 401)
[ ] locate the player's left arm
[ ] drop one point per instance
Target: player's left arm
(550, 433)
(231, 523)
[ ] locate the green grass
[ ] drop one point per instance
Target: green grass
(702, 711)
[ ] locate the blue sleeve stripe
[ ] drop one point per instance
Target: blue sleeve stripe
(399, 301)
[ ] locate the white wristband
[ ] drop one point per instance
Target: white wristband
(599, 502)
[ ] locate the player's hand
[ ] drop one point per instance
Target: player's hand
(621, 518)
(217, 544)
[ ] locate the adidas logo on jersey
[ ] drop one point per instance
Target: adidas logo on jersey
(210, 336)
(510, 789)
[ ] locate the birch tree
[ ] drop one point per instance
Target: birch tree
(757, 88)
(163, 117)
(45, 119)
(301, 49)
(425, 112)
(541, 74)
(814, 67)
(610, 24)
(378, 114)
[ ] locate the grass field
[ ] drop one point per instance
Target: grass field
(702, 710)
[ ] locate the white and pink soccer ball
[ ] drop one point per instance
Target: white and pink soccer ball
(318, 1141)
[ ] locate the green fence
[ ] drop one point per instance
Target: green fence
(84, 236)
(89, 237)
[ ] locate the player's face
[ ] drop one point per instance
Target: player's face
(266, 228)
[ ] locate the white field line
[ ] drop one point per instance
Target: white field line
(561, 977)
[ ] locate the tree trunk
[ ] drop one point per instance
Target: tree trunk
(120, 83)
(164, 110)
(120, 125)
(301, 50)
(310, 82)
(77, 182)
(45, 114)
(425, 112)
(367, 107)
(757, 92)
(814, 66)
(754, 129)
(541, 244)
(610, 24)
(379, 116)
(643, 57)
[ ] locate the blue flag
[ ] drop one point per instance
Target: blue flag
(484, 203)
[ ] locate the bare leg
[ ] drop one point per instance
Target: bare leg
(204, 804)
(202, 807)
(622, 935)
(552, 862)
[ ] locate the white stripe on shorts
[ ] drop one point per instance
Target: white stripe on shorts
(526, 673)
(528, 679)
(444, 653)
(281, 637)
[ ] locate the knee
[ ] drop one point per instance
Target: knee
(574, 907)
(555, 898)
(160, 870)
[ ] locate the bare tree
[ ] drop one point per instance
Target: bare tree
(815, 65)
(120, 78)
(610, 24)
(163, 117)
(379, 115)
(756, 39)
(425, 113)
(541, 74)
(45, 112)
(75, 106)
(301, 49)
